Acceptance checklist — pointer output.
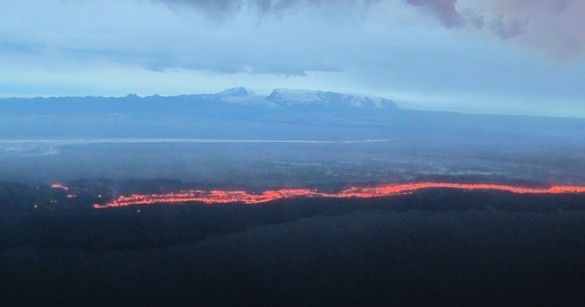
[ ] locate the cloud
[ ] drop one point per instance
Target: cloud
(443, 9)
(265, 6)
(447, 52)
(18, 47)
(552, 25)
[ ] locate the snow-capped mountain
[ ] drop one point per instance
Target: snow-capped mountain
(235, 92)
(294, 97)
(243, 96)
(289, 97)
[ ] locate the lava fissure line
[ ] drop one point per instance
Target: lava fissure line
(224, 197)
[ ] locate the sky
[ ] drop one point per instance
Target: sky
(487, 56)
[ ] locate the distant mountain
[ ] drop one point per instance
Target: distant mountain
(132, 103)
(235, 92)
(288, 97)
(232, 113)
(304, 98)
(240, 95)
(285, 114)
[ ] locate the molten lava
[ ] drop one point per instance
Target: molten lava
(222, 197)
(59, 186)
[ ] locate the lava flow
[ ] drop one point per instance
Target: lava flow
(223, 197)
(59, 186)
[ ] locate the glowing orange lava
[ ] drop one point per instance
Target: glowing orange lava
(223, 197)
(59, 186)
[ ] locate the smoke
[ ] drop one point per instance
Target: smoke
(443, 9)
(554, 25)
(551, 25)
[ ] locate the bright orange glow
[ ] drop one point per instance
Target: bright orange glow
(59, 186)
(223, 197)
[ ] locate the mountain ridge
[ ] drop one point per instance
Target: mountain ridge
(238, 95)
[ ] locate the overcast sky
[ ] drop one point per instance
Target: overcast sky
(503, 56)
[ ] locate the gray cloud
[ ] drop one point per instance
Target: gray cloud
(553, 25)
(443, 9)
(266, 6)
